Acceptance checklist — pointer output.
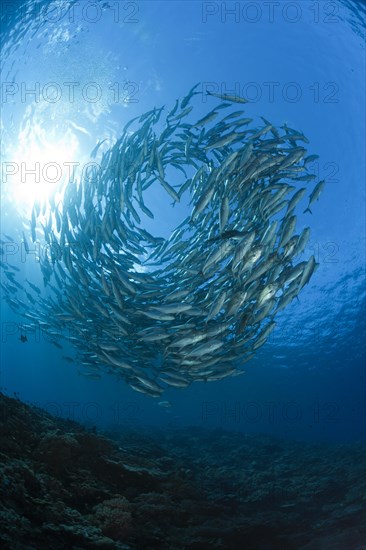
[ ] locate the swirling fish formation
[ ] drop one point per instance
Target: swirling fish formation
(196, 306)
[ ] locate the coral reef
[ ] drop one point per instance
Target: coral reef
(62, 486)
(113, 517)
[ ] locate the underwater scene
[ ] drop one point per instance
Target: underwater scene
(182, 274)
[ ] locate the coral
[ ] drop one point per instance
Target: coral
(57, 450)
(183, 489)
(114, 518)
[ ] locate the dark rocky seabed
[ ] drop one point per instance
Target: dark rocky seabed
(63, 486)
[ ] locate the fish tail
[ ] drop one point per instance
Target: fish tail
(307, 210)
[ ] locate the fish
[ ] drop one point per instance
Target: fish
(314, 196)
(94, 152)
(206, 119)
(311, 158)
(189, 96)
(25, 242)
(287, 230)
(295, 199)
(241, 249)
(173, 381)
(218, 255)
(231, 234)
(224, 213)
(228, 97)
(159, 310)
(203, 202)
(33, 225)
(223, 141)
(9, 238)
(173, 308)
(267, 293)
(170, 190)
(217, 305)
(309, 269)
(34, 287)
(165, 404)
(302, 242)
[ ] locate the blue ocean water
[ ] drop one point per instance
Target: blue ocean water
(75, 72)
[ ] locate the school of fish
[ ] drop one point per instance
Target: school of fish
(196, 306)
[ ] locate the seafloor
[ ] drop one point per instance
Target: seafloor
(65, 487)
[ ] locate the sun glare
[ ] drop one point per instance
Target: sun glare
(39, 168)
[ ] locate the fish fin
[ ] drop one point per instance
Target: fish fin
(307, 210)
